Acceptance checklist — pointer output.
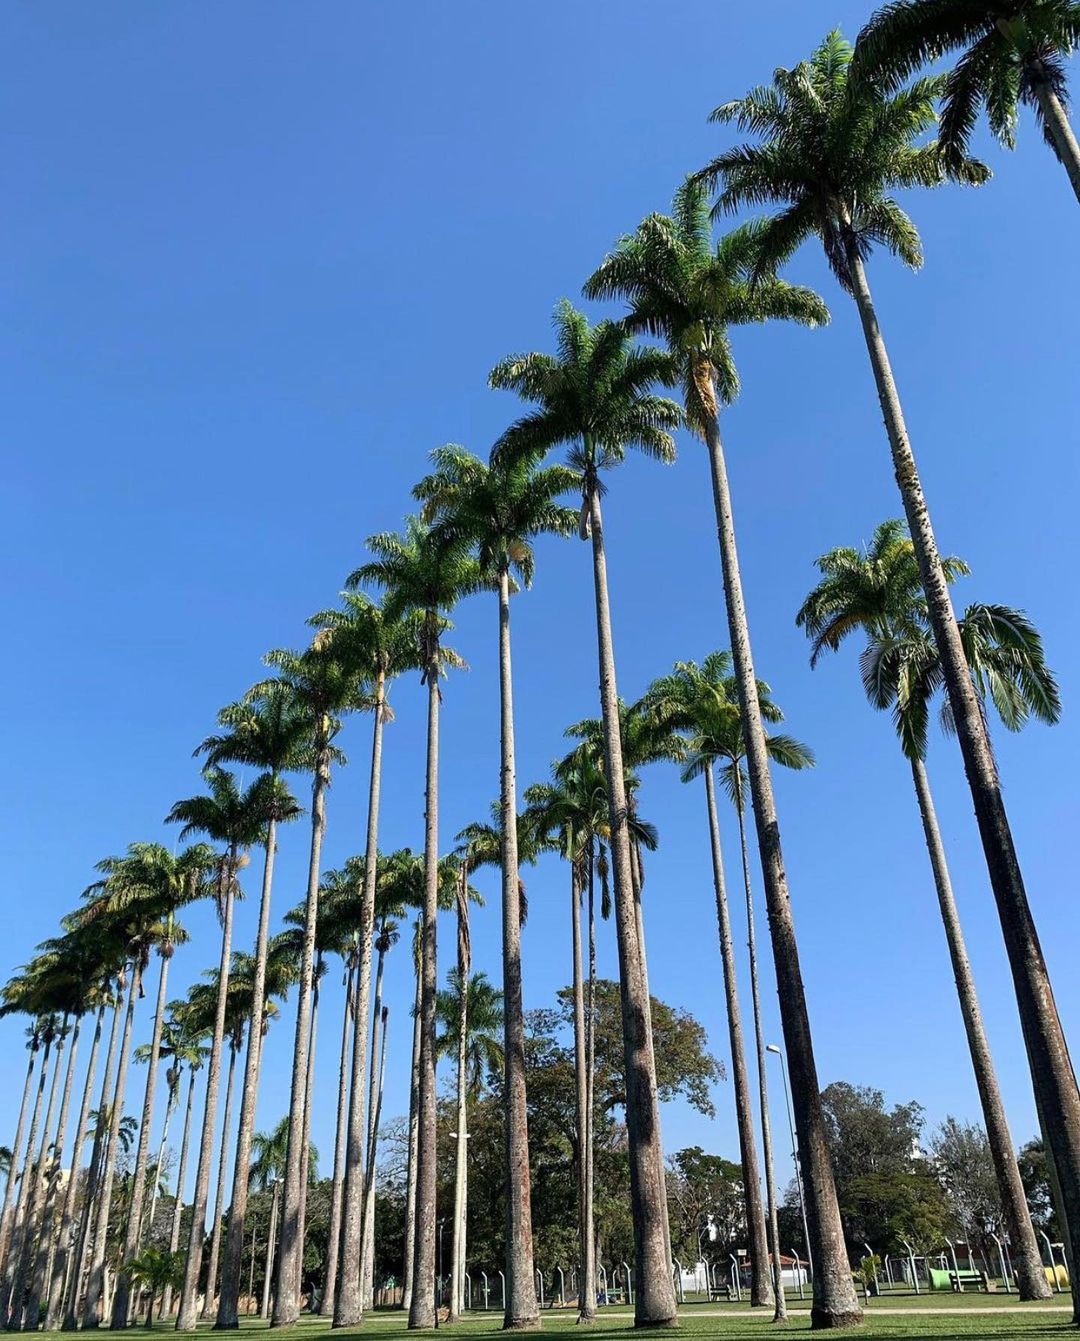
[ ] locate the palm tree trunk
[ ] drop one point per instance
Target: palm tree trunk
(326, 1306)
(422, 1308)
(1048, 1055)
(93, 1173)
(228, 1304)
(15, 1241)
(761, 1290)
(521, 1311)
(414, 1138)
(367, 1254)
(1027, 1260)
(373, 1150)
(187, 1314)
(94, 1308)
(309, 1097)
(271, 1241)
(219, 1193)
(159, 1164)
(121, 1304)
(587, 1286)
(1056, 121)
(835, 1303)
(348, 1301)
(181, 1173)
(654, 1297)
(457, 1261)
(55, 1306)
(780, 1314)
(6, 1217)
(291, 1247)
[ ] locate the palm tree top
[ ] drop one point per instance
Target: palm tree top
(829, 152)
(365, 637)
(267, 729)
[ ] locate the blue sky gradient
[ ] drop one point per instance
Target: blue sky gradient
(258, 261)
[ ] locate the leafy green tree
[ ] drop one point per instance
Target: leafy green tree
(157, 1271)
(708, 1217)
(1013, 54)
(964, 1164)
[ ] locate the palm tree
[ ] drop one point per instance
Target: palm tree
(1014, 53)
(594, 395)
(269, 732)
(193, 1053)
(876, 592)
(13, 1001)
(832, 149)
(236, 818)
(500, 507)
(267, 1170)
(160, 1272)
(689, 292)
(423, 575)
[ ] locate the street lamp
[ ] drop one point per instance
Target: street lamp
(771, 1047)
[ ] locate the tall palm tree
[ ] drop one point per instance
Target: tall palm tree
(324, 688)
(595, 396)
(424, 574)
(831, 150)
(270, 732)
(1014, 53)
(500, 507)
(876, 592)
(194, 1053)
(688, 291)
(236, 818)
(14, 1000)
(268, 1167)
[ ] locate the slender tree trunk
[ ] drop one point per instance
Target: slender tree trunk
(15, 1239)
(228, 1305)
(835, 1303)
(333, 1238)
(1031, 1279)
(121, 1303)
(163, 1145)
(181, 1173)
(271, 1243)
(55, 1307)
(654, 1297)
(780, 1314)
(94, 1308)
(93, 1173)
(1048, 1055)
(422, 1308)
(367, 1255)
(761, 1288)
(372, 1152)
(457, 1261)
(6, 1217)
(1056, 120)
(309, 1096)
(188, 1313)
(291, 1250)
(348, 1301)
(414, 1137)
(590, 1089)
(219, 1193)
(587, 1286)
(521, 1311)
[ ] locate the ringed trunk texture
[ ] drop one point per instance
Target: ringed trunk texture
(121, 1303)
(188, 1313)
(333, 1239)
(423, 1304)
(521, 1312)
(181, 1174)
(219, 1192)
(761, 1290)
(654, 1295)
(348, 1298)
(15, 1240)
(586, 1237)
(835, 1303)
(414, 1132)
(1057, 123)
(1027, 1260)
(291, 1247)
(228, 1315)
(1048, 1056)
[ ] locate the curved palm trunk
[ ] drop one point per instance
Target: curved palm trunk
(780, 1314)
(93, 1173)
(181, 1174)
(1027, 1260)
(94, 1307)
(6, 1217)
(457, 1261)
(521, 1311)
(121, 1304)
(188, 1313)
(291, 1247)
(1057, 123)
(348, 1300)
(333, 1238)
(422, 1305)
(654, 1298)
(1048, 1056)
(835, 1302)
(414, 1133)
(761, 1289)
(367, 1255)
(219, 1192)
(58, 1276)
(228, 1305)
(15, 1240)
(586, 1238)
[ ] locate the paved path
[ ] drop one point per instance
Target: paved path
(873, 1311)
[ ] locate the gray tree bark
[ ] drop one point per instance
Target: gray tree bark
(181, 1174)
(586, 1235)
(18, 1219)
(219, 1191)
(367, 1254)
(333, 1238)
(1061, 132)
(414, 1133)
(6, 1217)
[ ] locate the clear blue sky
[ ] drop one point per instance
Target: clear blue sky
(258, 259)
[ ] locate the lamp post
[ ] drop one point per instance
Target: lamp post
(771, 1047)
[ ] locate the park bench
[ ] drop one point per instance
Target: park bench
(717, 1292)
(962, 1279)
